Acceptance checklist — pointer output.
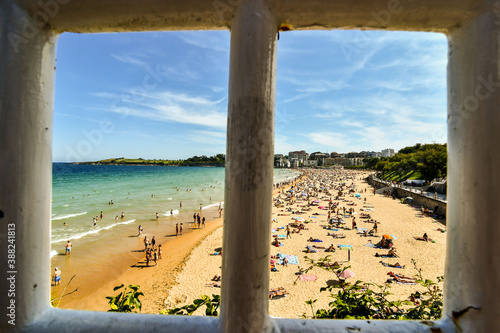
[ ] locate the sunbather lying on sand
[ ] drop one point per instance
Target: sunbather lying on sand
(276, 242)
(310, 250)
(367, 233)
(331, 265)
(277, 292)
(424, 238)
(401, 277)
(314, 240)
(396, 265)
(331, 248)
(390, 254)
(318, 247)
(213, 284)
(334, 235)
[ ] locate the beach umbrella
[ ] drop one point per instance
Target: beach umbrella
(346, 274)
(387, 236)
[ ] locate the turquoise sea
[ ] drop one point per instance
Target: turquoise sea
(81, 192)
(102, 253)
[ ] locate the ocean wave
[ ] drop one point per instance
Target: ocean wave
(90, 232)
(66, 216)
(175, 212)
(53, 253)
(213, 205)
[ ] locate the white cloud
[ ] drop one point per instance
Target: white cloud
(211, 40)
(171, 107)
(129, 60)
(335, 141)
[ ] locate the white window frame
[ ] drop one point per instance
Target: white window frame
(29, 31)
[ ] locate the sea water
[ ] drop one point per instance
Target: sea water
(81, 192)
(101, 253)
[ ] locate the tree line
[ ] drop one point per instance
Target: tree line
(216, 160)
(430, 160)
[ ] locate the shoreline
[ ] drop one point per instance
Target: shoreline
(175, 253)
(155, 286)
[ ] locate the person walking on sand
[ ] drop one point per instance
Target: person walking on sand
(180, 229)
(153, 242)
(68, 247)
(160, 251)
(199, 221)
(155, 257)
(194, 217)
(177, 229)
(203, 222)
(57, 277)
(288, 232)
(146, 243)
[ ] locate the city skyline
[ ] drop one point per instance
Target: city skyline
(164, 95)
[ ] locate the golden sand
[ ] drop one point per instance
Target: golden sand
(400, 220)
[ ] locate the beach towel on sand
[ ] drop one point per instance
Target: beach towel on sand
(308, 278)
(292, 260)
(370, 245)
(344, 247)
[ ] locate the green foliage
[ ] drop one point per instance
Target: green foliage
(360, 301)
(217, 160)
(125, 301)
(212, 306)
(352, 301)
(420, 161)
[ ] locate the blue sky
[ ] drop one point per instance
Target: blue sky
(164, 94)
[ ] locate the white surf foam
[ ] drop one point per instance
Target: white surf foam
(66, 216)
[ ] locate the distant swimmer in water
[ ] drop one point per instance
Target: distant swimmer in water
(180, 204)
(123, 215)
(171, 212)
(157, 216)
(64, 224)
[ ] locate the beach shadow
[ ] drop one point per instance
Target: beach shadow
(333, 283)
(134, 236)
(218, 249)
(170, 236)
(137, 251)
(142, 265)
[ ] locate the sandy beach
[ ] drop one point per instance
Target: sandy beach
(154, 280)
(189, 262)
(400, 220)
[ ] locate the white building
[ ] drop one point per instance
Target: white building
(387, 152)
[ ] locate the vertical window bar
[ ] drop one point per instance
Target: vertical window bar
(249, 170)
